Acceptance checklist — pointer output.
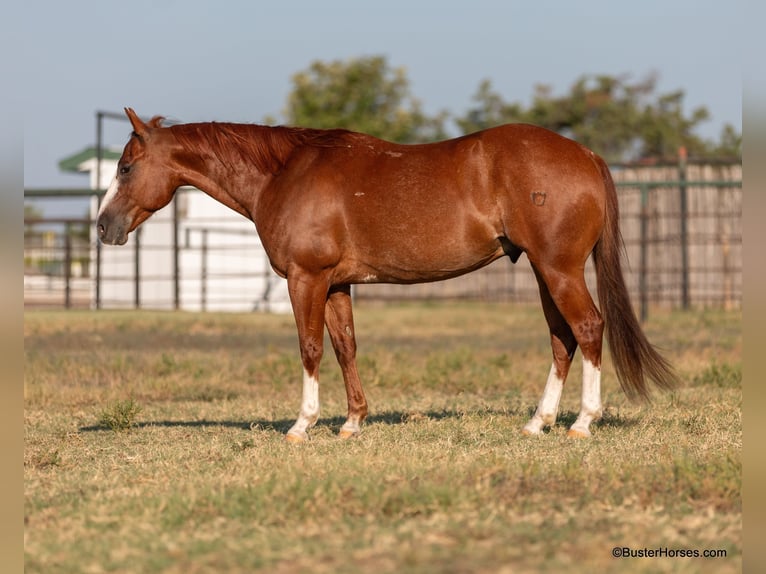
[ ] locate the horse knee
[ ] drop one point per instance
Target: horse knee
(311, 354)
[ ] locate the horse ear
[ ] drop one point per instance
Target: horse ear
(139, 127)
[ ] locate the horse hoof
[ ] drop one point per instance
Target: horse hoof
(574, 433)
(532, 429)
(346, 434)
(296, 439)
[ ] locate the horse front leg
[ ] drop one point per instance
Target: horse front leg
(340, 324)
(308, 294)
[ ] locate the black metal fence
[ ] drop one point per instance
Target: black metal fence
(683, 240)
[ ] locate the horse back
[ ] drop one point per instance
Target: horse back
(379, 211)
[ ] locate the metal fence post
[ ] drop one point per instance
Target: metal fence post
(176, 262)
(203, 272)
(67, 266)
(137, 269)
(644, 258)
(684, 208)
(99, 154)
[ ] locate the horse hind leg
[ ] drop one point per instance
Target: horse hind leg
(563, 344)
(588, 328)
(570, 295)
(340, 325)
(577, 306)
(590, 408)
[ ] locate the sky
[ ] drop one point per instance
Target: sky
(232, 60)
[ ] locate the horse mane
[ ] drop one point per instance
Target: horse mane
(265, 146)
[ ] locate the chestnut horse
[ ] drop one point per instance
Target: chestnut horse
(335, 208)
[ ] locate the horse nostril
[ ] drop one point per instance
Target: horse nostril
(101, 230)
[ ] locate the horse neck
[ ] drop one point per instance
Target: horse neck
(238, 193)
(226, 161)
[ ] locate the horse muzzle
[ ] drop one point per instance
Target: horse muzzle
(111, 232)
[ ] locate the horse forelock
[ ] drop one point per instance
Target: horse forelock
(268, 148)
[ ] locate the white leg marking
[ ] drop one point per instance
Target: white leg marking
(548, 406)
(590, 409)
(309, 408)
(350, 428)
(109, 195)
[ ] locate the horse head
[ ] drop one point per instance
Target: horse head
(144, 183)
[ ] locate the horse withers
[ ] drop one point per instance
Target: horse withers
(335, 208)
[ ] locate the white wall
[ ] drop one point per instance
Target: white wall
(239, 277)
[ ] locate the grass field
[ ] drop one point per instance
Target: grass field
(155, 443)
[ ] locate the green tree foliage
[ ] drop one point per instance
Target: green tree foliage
(362, 94)
(619, 119)
(729, 144)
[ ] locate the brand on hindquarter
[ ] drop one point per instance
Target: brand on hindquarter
(538, 198)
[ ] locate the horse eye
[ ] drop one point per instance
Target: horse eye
(124, 169)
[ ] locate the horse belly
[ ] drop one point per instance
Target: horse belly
(415, 214)
(422, 253)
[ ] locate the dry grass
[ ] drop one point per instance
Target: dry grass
(199, 478)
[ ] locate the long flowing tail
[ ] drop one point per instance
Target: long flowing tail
(635, 358)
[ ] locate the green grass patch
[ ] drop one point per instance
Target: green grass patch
(119, 415)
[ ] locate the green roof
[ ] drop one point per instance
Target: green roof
(73, 162)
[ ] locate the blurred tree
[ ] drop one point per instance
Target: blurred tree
(362, 94)
(620, 120)
(730, 143)
(490, 111)
(663, 128)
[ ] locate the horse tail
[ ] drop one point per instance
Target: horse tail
(635, 359)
